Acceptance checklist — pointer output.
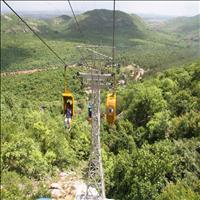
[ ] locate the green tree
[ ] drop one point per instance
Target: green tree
(143, 102)
(22, 155)
(186, 126)
(183, 102)
(178, 191)
(158, 126)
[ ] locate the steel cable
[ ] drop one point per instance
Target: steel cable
(60, 59)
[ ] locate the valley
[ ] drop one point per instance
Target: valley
(136, 42)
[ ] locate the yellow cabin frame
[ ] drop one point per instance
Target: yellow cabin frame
(111, 108)
(68, 96)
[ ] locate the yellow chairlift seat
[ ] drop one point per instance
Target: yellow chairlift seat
(68, 97)
(111, 108)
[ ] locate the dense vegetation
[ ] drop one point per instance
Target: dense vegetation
(153, 150)
(151, 153)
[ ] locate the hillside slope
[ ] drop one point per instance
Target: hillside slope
(135, 41)
(100, 23)
(183, 25)
(152, 152)
(96, 26)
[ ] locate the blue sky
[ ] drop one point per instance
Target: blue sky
(170, 8)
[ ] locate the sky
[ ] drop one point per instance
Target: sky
(168, 8)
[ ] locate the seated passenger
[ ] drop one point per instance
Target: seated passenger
(68, 115)
(110, 110)
(90, 111)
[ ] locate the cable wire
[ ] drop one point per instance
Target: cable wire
(60, 59)
(113, 45)
(78, 26)
(113, 42)
(79, 29)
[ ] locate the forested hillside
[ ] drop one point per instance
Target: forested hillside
(152, 152)
(183, 25)
(136, 42)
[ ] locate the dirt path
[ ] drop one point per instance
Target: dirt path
(30, 71)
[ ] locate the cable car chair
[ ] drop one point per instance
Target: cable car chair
(111, 108)
(67, 97)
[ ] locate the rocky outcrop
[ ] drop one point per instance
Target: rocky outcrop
(69, 187)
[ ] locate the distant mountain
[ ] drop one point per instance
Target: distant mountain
(59, 23)
(100, 23)
(135, 41)
(183, 24)
(10, 24)
(95, 25)
(154, 17)
(63, 17)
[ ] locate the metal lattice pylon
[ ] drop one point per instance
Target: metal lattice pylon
(95, 182)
